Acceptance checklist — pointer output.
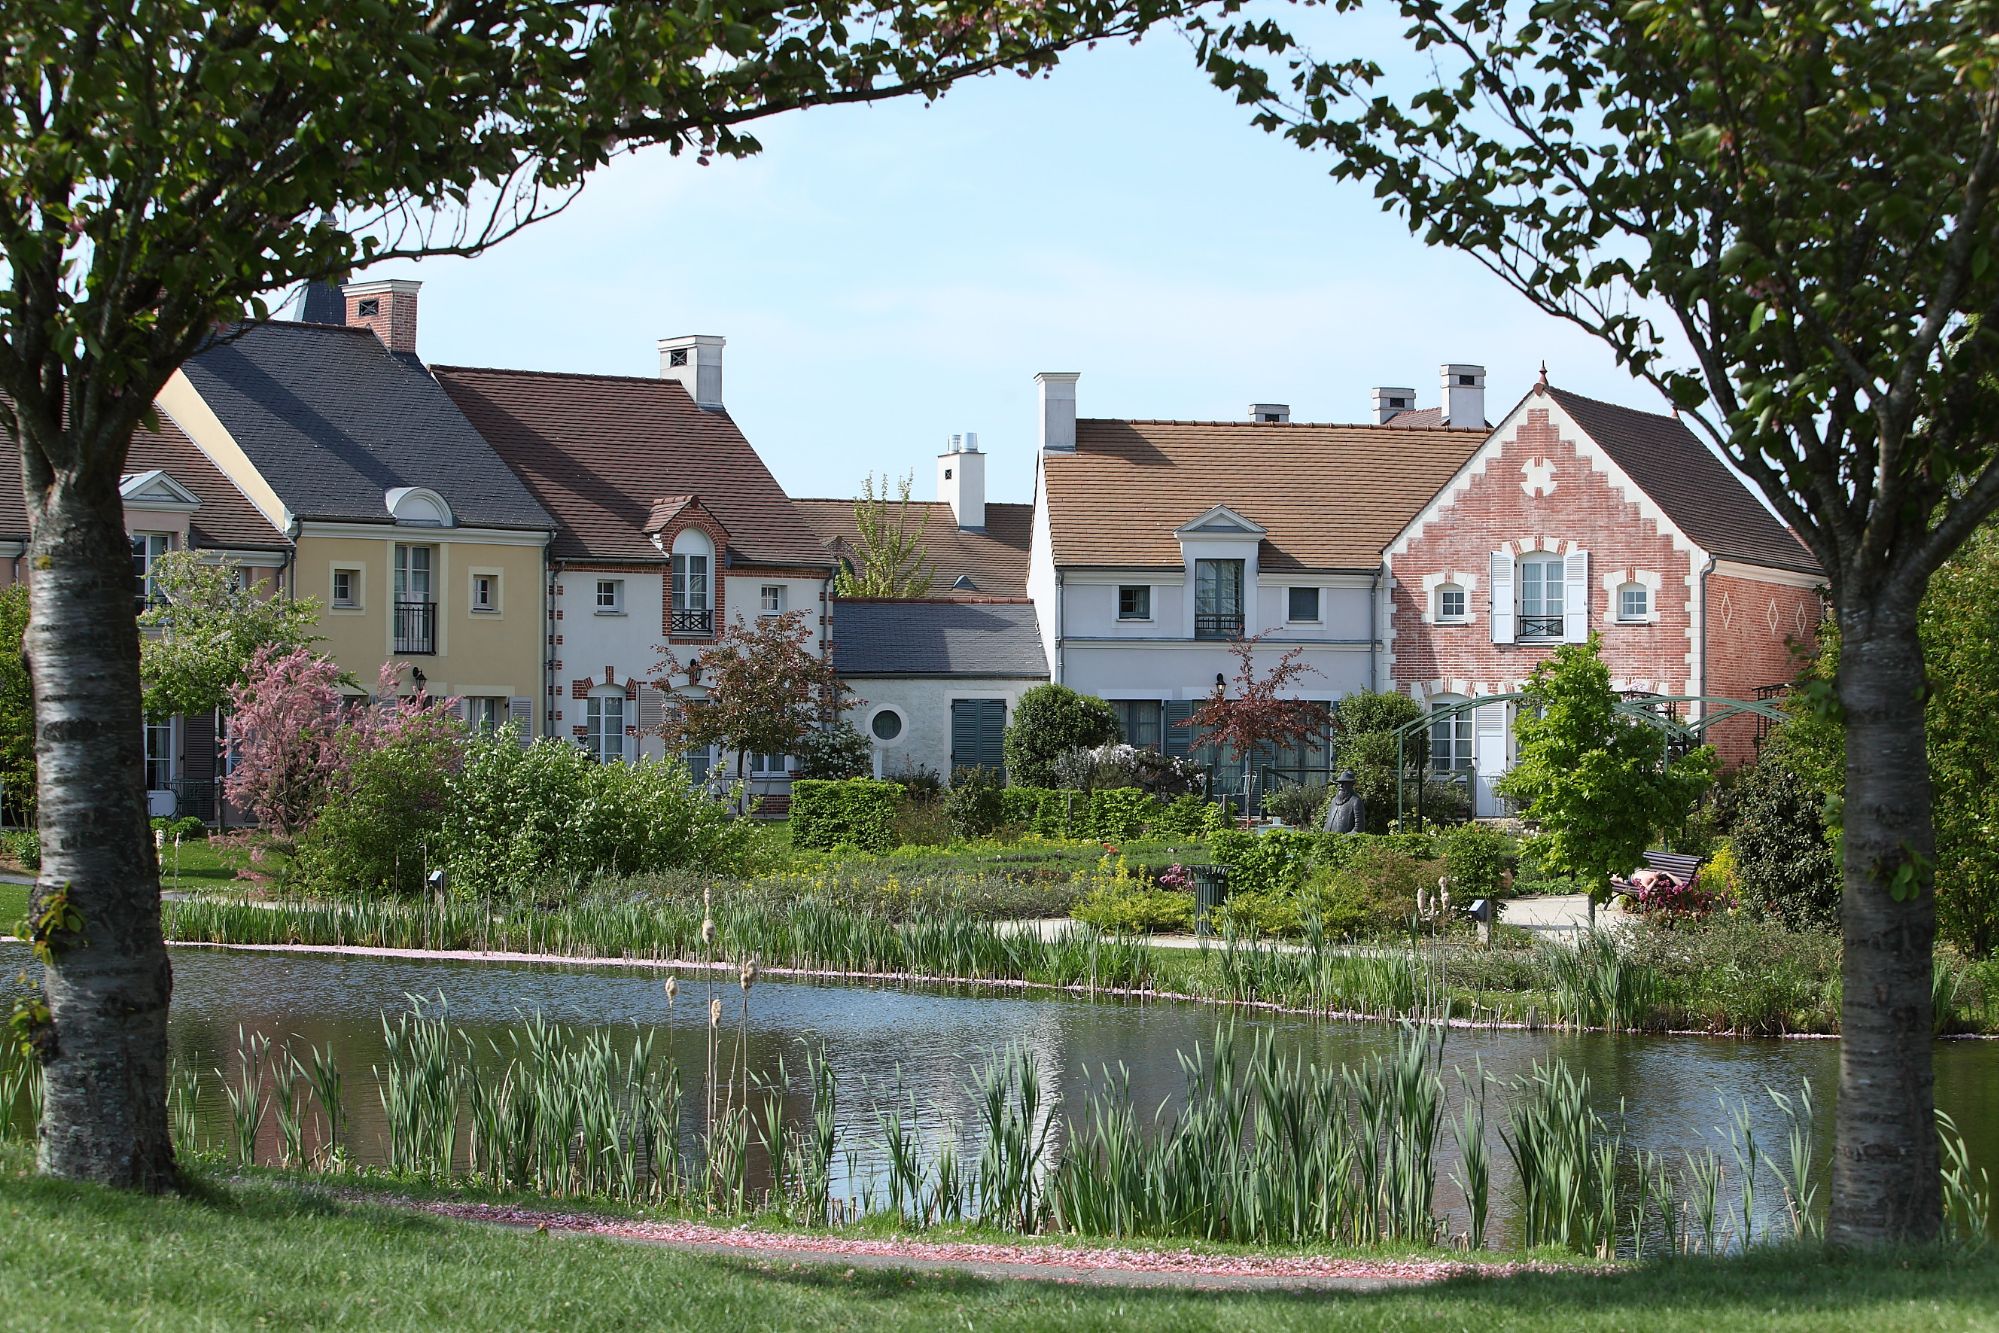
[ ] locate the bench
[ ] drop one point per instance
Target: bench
(1682, 866)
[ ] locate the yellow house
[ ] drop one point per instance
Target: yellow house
(421, 546)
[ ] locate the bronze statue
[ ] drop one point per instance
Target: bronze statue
(1347, 812)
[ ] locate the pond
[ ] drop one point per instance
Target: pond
(888, 1046)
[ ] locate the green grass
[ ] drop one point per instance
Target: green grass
(202, 865)
(263, 1253)
(13, 906)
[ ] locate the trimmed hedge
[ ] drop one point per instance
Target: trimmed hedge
(856, 812)
(1281, 860)
(1114, 814)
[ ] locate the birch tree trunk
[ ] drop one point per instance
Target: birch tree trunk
(1885, 1185)
(108, 987)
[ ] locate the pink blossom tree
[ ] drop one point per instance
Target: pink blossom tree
(285, 721)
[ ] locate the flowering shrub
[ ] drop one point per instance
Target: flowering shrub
(285, 722)
(1176, 877)
(1667, 896)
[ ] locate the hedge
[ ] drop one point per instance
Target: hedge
(1114, 814)
(1281, 860)
(856, 812)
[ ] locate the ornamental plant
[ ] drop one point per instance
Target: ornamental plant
(1048, 722)
(285, 721)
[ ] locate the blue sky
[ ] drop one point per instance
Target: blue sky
(886, 276)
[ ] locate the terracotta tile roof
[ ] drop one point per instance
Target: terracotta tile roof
(665, 510)
(225, 518)
(1330, 497)
(995, 561)
(599, 451)
(1696, 489)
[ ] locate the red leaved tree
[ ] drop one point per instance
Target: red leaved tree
(1256, 712)
(285, 722)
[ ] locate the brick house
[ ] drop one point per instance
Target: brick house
(1577, 516)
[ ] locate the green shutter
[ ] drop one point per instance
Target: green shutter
(978, 733)
(1175, 739)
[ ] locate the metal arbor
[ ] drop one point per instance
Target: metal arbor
(1655, 710)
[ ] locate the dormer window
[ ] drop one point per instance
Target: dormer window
(368, 307)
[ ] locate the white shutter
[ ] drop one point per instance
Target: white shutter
(1575, 597)
(1502, 597)
(652, 710)
(520, 714)
(1488, 757)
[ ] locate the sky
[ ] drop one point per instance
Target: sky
(888, 276)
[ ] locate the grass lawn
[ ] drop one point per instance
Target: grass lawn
(13, 906)
(262, 1253)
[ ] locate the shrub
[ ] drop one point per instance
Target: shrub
(1048, 721)
(1298, 806)
(1475, 857)
(1375, 891)
(859, 812)
(1364, 740)
(1785, 867)
(383, 829)
(1120, 765)
(1184, 817)
(25, 846)
(834, 752)
(922, 782)
(1120, 813)
(922, 820)
(1272, 862)
(1670, 898)
(975, 804)
(186, 828)
(1255, 913)
(1119, 899)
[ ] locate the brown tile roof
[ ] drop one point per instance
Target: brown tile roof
(1330, 497)
(994, 560)
(225, 518)
(598, 451)
(1699, 493)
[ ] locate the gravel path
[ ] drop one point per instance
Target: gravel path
(1182, 1269)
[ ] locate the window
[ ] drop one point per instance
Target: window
(1304, 604)
(770, 765)
(610, 597)
(1134, 602)
(1541, 597)
(1451, 605)
(486, 592)
(146, 548)
(1450, 740)
(1139, 722)
(1634, 602)
(1218, 599)
(887, 725)
(772, 603)
(604, 727)
(416, 612)
(486, 713)
(701, 764)
(160, 755)
(347, 588)
(692, 612)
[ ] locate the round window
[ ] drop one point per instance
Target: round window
(887, 725)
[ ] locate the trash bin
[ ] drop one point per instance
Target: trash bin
(1211, 887)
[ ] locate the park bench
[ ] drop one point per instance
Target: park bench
(1682, 866)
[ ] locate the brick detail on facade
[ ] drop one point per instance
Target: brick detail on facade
(580, 689)
(693, 515)
(1755, 632)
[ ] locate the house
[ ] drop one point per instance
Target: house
(1577, 517)
(668, 526)
(420, 545)
(1159, 546)
(935, 678)
(174, 499)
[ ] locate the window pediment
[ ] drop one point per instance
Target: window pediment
(156, 490)
(1222, 522)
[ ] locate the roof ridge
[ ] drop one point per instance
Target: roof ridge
(1277, 425)
(655, 380)
(1672, 417)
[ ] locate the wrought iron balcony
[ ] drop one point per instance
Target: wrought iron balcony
(684, 621)
(1218, 625)
(416, 627)
(1541, 627)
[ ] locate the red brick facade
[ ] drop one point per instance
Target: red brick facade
(1755, 629)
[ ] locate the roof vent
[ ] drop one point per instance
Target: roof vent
(963, 583)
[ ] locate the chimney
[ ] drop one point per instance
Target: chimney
(961, 480)
(386, 307)
(1392, 402)
(695, 361)
(1058, 410)
(1464, 396)
(1270, 411)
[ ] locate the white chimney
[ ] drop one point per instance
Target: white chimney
(1392, 402)
(1058, 410)
(961, 480)
(1270, 411)
(1464, 396)
(695, 361)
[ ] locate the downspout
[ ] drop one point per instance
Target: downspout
(1057, 664)
(1374, 630)
(1700, 684)
(551, 570)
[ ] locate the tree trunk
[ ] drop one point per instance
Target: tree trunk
(105, 1117)
(1885, 1185)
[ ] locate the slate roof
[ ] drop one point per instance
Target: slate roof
(1684, 477)
(994, 560)
(225, 518)
(1330, 497)
(601, 450)
(333, 420)
(937, 638)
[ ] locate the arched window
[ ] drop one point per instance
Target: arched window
(1450, 737)
(693, 584)
(604, 724)
(1634, 603)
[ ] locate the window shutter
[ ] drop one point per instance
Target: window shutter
(1575, 597)
(197, 757)
(1176, 740)
(652, 710)
(520, 715)
(1488, 750)
(1502, 597)
(978, 733)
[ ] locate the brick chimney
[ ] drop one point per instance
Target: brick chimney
(387, 307)
(694, 361)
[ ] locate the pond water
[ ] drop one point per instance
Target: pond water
(887, 1044)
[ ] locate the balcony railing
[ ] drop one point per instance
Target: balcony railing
(684, 621)
(416, 627)
(1218, 625)
(1541, 627)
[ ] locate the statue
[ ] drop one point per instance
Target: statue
(1348, 812)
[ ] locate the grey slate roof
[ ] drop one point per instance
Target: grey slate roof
(1696, 489)
(937, 638)
(333, 420)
